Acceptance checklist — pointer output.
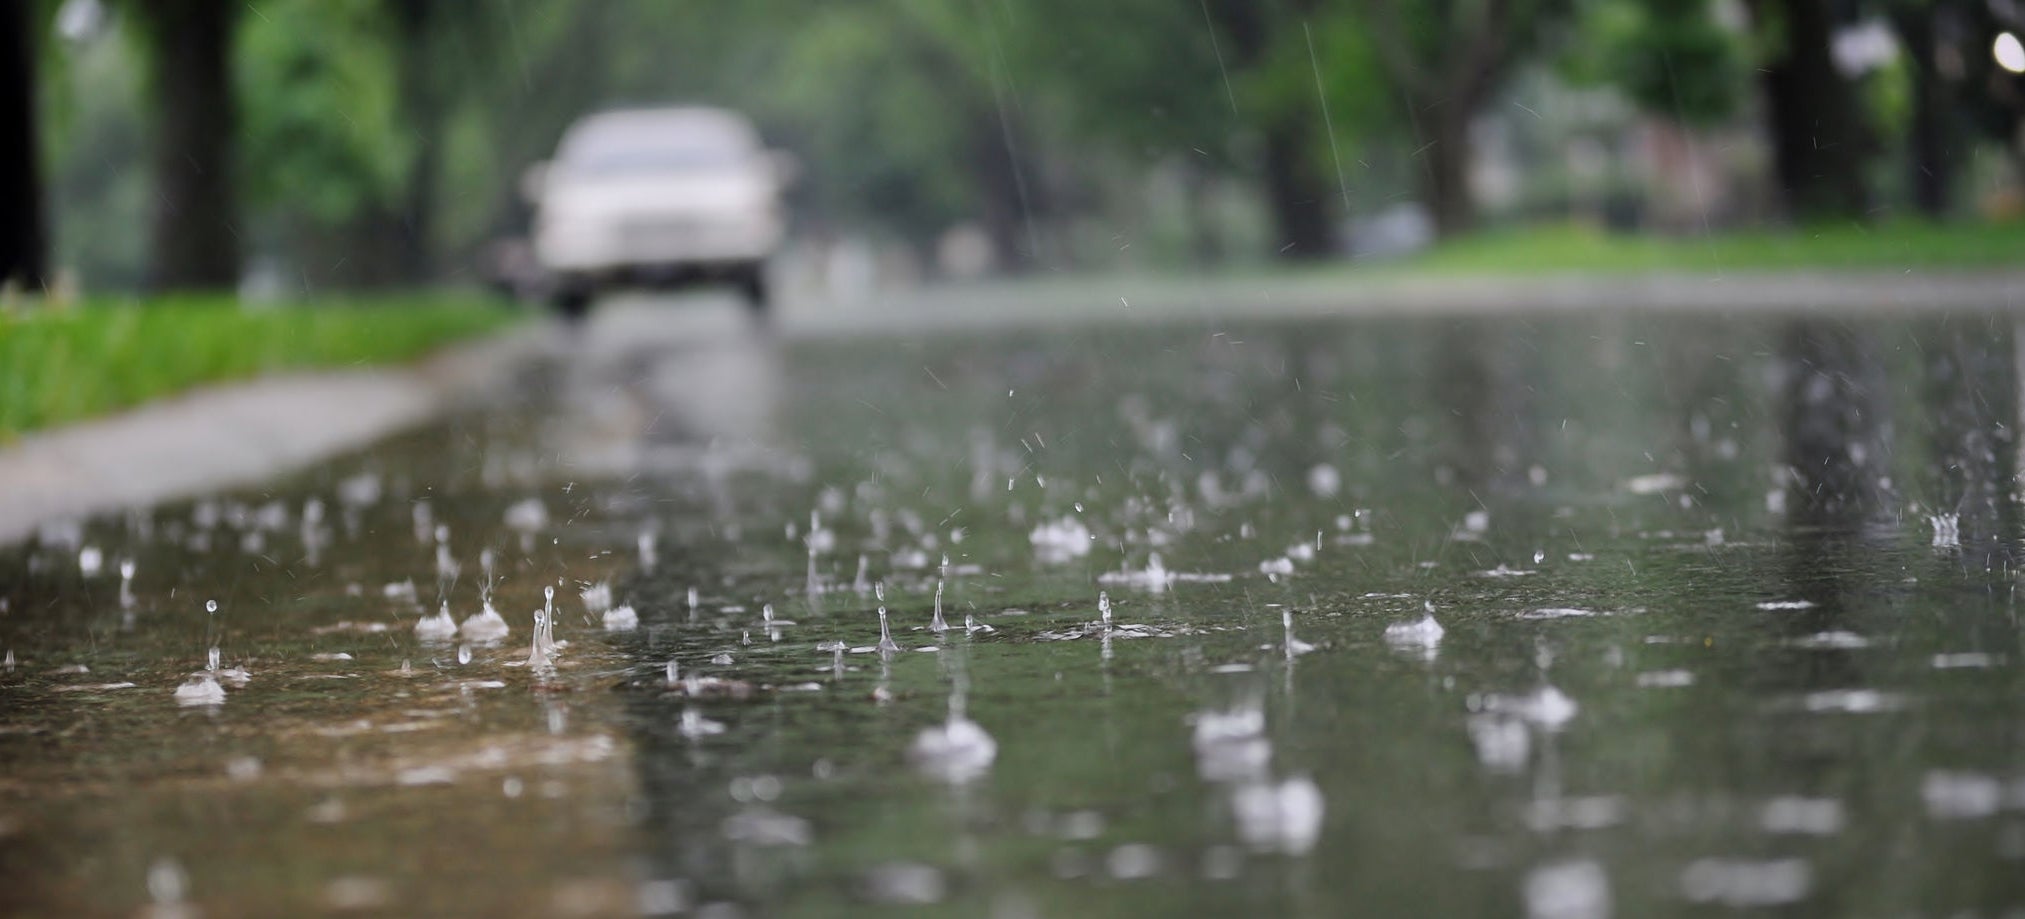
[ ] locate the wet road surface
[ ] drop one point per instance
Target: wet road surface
(1555, 616)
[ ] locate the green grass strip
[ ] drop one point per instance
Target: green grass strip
(62, 364)
(1895, 246)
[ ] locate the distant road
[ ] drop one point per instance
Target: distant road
(1043, 300)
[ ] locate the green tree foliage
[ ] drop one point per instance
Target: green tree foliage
(1446, 59)
(378, 140)
(1670, 57)
(322, 134)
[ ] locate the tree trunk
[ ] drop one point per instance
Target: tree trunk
(24, 243)
(1297, 194)
(422, 111)
(1929, 174)
(1008, 203)
(1446, 172)
(196, 238)
(1818, 140)
(1205, 242)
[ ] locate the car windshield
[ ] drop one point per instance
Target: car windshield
(619, 159)
(656, 145)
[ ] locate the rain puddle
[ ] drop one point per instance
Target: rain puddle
(1553, 618)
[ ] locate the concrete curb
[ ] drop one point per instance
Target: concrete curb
(220, 436)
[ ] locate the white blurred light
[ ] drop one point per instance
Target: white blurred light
(2010, 52)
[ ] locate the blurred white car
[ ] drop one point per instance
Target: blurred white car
(657, 198)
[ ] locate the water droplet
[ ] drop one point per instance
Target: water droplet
(937, 624)
(463, 654)
(210, 606)
(1104, 607)
(167, 883)
(886, 642)
(211, 660)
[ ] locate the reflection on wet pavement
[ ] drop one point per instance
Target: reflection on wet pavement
(1557, 617)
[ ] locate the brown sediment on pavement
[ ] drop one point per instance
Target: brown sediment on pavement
(220, 436)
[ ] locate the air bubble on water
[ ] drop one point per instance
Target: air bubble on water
(200, 689)
(955, 751)
(167, 883)
(1740, 883)
(527, 516)
(694, 725)
(1284, 817)
(1422, 638)
(1062, 540)
(1568, 890)
(1324, 481)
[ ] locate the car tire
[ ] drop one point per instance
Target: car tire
(751, 283)
(572, 303)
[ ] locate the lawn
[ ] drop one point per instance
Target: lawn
(63, 364)
(1897, 246)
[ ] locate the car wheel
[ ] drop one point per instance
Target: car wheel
(572, 303)
(752, 285)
